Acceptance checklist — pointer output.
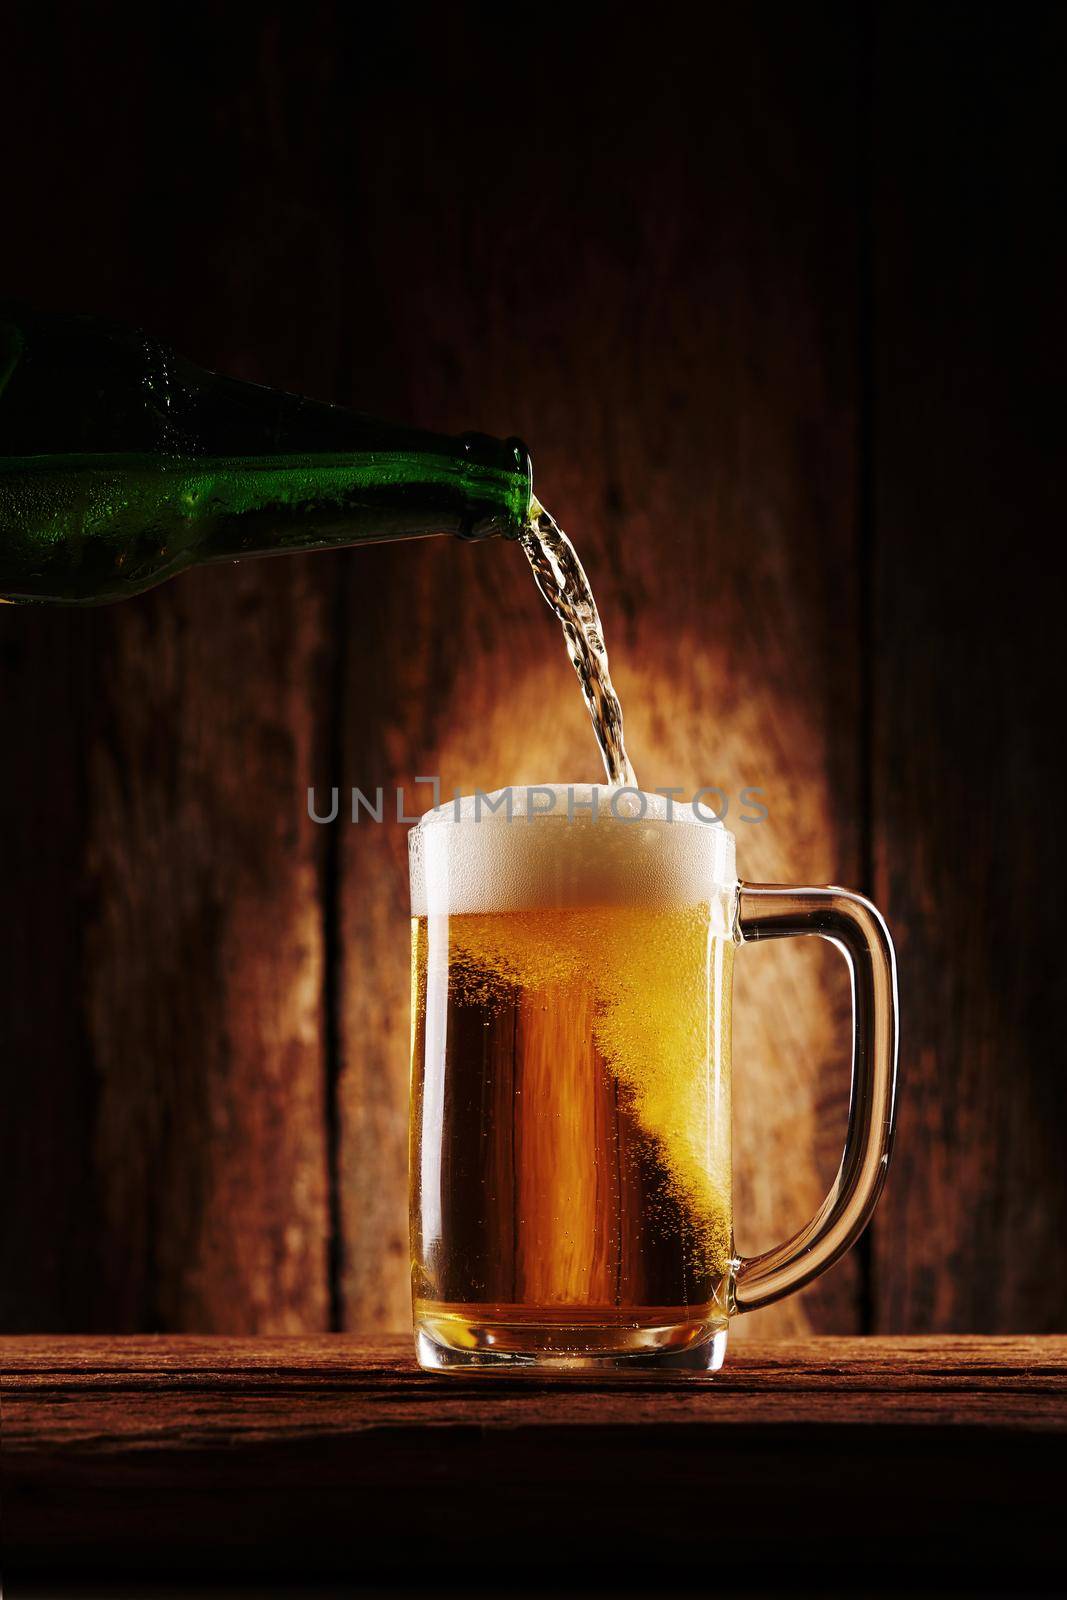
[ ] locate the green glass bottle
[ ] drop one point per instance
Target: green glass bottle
(122, 465)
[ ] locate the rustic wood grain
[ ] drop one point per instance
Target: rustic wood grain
(337, 1456)
(374, 1380)
(664, 320)
(169, 1063)
(968, 664)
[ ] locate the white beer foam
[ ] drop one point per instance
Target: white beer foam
(469, 858)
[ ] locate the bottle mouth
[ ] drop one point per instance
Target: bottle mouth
(508, 458)
(524, 466)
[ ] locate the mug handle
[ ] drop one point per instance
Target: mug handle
(779, 911)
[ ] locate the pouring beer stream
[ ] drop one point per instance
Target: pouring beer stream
(561, 579)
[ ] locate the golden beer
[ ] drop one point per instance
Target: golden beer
(570, 1158)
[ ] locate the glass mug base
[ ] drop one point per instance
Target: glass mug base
(568, 1343)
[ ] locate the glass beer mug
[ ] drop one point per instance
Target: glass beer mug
(572, 960)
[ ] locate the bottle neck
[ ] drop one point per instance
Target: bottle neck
(121, 464)
(261, 505)
(91, 528)
(81, 386)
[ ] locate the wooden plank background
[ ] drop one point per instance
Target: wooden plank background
(712, 279)
(967, 652)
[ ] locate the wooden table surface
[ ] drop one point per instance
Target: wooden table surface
(336, 1456)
